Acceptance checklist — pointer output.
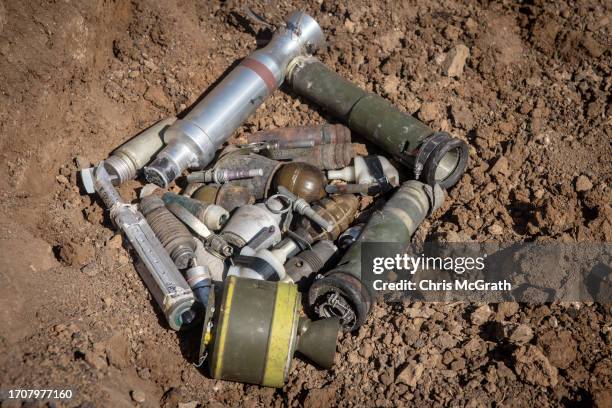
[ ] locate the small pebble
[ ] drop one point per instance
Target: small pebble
(138, 395)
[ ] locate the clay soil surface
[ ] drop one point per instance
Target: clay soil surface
(77, 78)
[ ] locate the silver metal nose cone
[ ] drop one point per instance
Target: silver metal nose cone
(309, 32)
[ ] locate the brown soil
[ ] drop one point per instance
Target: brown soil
(78, 78)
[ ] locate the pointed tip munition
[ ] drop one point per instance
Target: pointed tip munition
(193, 140)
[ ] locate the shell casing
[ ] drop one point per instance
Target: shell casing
(318, 135)
(193, 140)
(324, 157)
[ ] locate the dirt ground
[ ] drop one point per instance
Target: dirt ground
(78, 78)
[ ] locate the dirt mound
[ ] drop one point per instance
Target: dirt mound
(527, 85)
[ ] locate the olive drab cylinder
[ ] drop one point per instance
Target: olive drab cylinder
(434, 157)
(256, 329)
(301, 268)
(341, 293)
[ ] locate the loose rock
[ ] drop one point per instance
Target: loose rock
(411, 374)
(455, 61)
(533, 367)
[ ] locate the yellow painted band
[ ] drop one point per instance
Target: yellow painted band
(218, 362)
(281, 333)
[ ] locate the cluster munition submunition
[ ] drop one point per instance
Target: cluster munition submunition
(227, 196)
(220, 176)
(434, 157)
(301, 179)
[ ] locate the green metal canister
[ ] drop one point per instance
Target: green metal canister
(341, 292)
(254, 332)
(434, 157)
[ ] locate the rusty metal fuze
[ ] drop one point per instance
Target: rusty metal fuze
(325, 157)
(289, 138)
(168, 287)
(193, 140)
(434, 157)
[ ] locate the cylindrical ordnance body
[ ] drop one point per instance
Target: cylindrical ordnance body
(193, 140)
(258, 185)
(212, 215)
(437, 156)
(228, 196)
(324, 157)
(257, 328)
(173, 235)
(301, 267)
(166, 284)
(338, 210)
(341, 288)
(301, 179)
(318, 134)
(137, 152)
